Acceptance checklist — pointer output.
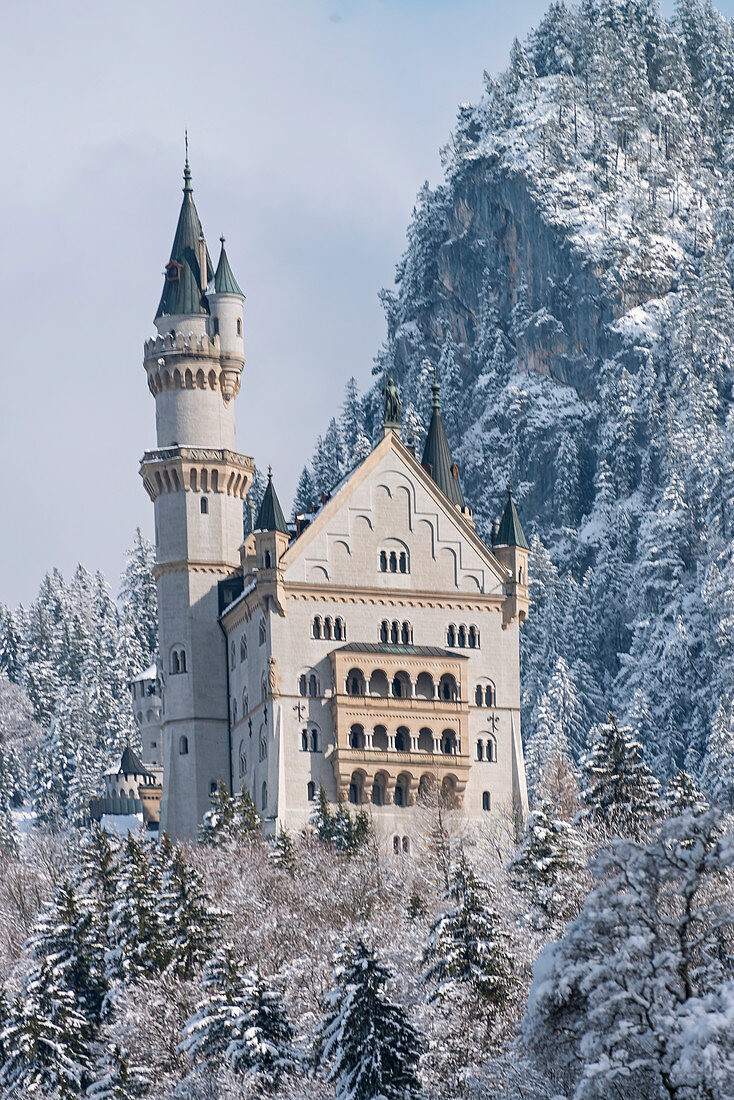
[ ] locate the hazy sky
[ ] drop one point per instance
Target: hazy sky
(312, 125)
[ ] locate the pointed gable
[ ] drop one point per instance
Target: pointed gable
(270, 515)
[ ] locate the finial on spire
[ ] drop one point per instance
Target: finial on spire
(270, 473)
(187, 170)
(436, 388)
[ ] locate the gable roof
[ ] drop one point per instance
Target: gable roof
(182, 289)
(391, 441)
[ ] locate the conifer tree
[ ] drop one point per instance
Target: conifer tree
(344, 831)
(8, 832)
(138, 596)
(367, 1045)
(683, 794)
(305, 493)
(98, 871)
(558, 786)
(262, 1043)
(247, 823)
(210, 1029)
(136, 940)
(189, 926)
(467, 943)
(217, 823)
(284, 852)
(717, 773)
(619, 791)
(545, 863)
(116, 1079)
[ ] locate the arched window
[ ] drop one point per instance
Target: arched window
(395, 633)
(383, 561)
(311, 790)
(399, 796)
(448, 743)
(461, 638)
(234, 712)
(232, 655)
(339, 633)
(183, 745)
(393, 562)
(264, 803)
(491, 752)
(263, 748)
(316, 630)
(268, 560)
(406, 846)
(473, 636)
(355, 682)
(239, 326)
(403, 562)
(204, 505)
(302, 689)
(451, 636)
(378, 790)
(486, 801)
(355, 789)
(402, 739)
(447, 687)
(356, 737)
(489, 695)
(245, 703)
(480, 750)
(327, 628)
(396, 845)
(215, 323)
(315, 741)
(384, 631)
(261, 632)
(304, 740)
(175, 666)
(243, 649)
(313, 686)
(243, 760)
(397, 688)
(212, 788)
(405, 634)
(479, 696)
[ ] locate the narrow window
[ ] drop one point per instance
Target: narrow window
(264, 796)
(317, 627)
(304, 740)
(338, 630)
(399, 795)
(302, 685)
(182, 660)
(183, 745)
(472, 637)
(313, 687)
(451, 636)
(486, 802)
(261, 632)
(239, 326)
(232, 656)
(405, 634)
(396, 845)
(314, 741)
(394, 633)
(383, 631)
(403, 562)
(480, 751)
(243, 649)
(327, 629)
(212, 788)
(383, 561)
(268, 564)
(311, 790)
(479, 696)
(175, 667)
(215, 323)
(462, 637)
(393, 562)
(406, 846)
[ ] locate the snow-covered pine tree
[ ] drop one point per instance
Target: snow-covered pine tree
(246, 823)
(344, 831)
(8, 832)
(354, 437)
(683, 794)
(559, 724)
(468, 944)
(44, 1041)
(98, 871)
(262, 1044)
(547, 864)
(254, 497)
(217, 823)
(10, 646)
(367, 1045)
(209, 1030)
(305, 493)
(139, 602)
(558, 786)
(717, 773)
(284, 852)
(639, 987)
(116, 1079)
(619, 792)
(328, 461)
(189, 925)
(136, 941)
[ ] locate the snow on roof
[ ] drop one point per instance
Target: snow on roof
(150, 673)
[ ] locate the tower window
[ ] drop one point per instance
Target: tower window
(268, 564)
(212, 788)
(393, 562)
(183, 745)
(243, 649)
(383, 561)
(261, 632)
(486, 801)
(302, 684)
(239, 326)
(215, 323)
(311, 790)
(264, 805)
(204, 505)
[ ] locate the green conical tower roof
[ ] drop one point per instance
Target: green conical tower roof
(270, 517)
(182, 290)
(510, 532)
(437, 455)
(224, 280)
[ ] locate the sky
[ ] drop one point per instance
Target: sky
(312, 124)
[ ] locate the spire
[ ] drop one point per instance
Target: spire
(437, 454)
(184, 288)
(510, 532)
(224, 280)
(270, 517)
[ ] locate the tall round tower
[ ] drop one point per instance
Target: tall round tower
(197, 482)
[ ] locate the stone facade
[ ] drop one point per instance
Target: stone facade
(373, 652)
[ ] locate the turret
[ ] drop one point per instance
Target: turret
(225, 301)
(510, 547)
(437, 456)
(266, 545)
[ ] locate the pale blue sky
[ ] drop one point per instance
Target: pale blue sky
(312, 124)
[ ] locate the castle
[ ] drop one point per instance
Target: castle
(371, 649)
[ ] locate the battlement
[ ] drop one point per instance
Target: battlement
(178, 344)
